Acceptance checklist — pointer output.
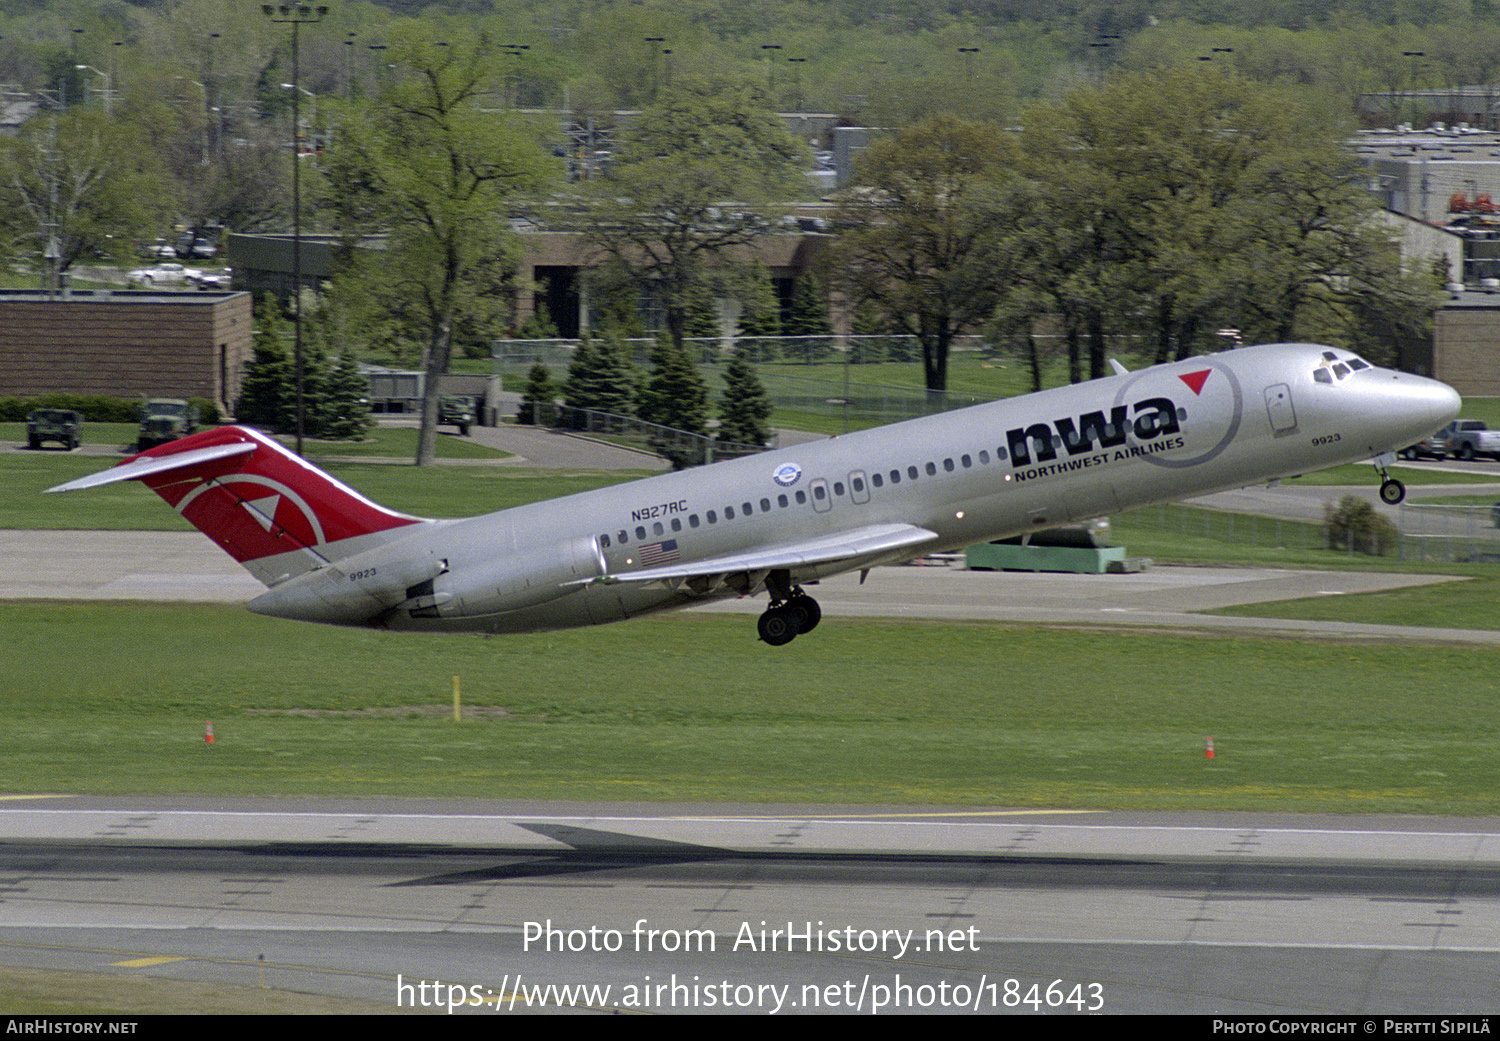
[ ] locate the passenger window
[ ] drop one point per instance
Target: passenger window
(801, 498)
(765, 506)
(781, 501)
(932, 469)
(746, 508)
(729, 513)
(624, 538)
(657, 529)
(712, 517)
(895, 476)
(966, 461)
(692, 520)
(838, 487)
(857, 484)
(818, 491)
(640, 534)
(984, 457)
(676, 524)
(911, 471)
(877, 480)
(948, 465)
(604, 541)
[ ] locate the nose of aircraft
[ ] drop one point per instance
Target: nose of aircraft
(1419, 407)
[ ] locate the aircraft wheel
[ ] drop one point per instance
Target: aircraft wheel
(1392, 492)
(778, 626)
(806, 611)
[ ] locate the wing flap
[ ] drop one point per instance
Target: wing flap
(859, 543)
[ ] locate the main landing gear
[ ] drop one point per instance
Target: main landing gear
(1392, 491)
(791, 612)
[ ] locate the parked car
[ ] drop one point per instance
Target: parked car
(166, 274)
(1434, 447)
(1469, 438)
(54, 424)
(165, 419)
(1495, 514)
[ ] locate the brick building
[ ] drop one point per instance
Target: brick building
(125, 343)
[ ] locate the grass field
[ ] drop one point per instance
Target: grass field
(689, 707)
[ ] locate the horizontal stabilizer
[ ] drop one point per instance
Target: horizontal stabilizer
(145, 466)
(867, 542)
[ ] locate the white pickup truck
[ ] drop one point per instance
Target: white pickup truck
(1469, 438)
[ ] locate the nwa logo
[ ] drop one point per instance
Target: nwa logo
(1147, 420)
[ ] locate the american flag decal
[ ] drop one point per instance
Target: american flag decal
(659, 552)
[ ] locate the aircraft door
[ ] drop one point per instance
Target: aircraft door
(822, 501)
(1279, 409)
(859, 486)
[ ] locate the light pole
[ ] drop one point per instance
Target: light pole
(296, 15)
(107, 92)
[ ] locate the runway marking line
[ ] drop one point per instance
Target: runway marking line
(146, 963)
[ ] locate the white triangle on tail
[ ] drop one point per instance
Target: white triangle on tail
(263, 510)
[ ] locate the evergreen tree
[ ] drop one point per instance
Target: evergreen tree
(675, 396)
(267, 395)
(539, 399)
(703, 315)
(760, 316)
(600, 376)
(348, 404)
(808, 316)
(745, 408)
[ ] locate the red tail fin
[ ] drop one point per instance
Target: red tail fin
(273, 512)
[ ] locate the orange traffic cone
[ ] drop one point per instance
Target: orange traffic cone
(1208, 753)
(208, 733)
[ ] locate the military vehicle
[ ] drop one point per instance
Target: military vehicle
(457, 410)
(53, 424)
(165, 419)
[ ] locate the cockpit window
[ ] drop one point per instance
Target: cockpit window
(1336, 368)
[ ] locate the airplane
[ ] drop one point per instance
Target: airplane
(784, 519)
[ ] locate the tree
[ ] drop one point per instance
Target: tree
(699, 177)
(268, 387)
(1169, 203)
(675, 397)
(921, 238)
(744, 408)
(539, 399)
(600, 376)
(348, 405)
(79, 185)
(438, 173)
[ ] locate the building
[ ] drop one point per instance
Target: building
(125, 343)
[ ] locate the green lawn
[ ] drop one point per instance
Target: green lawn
(868, 711)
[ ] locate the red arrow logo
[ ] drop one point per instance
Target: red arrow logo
(1195, 380)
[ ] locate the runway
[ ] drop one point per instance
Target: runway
(680, 909)
(185, 567)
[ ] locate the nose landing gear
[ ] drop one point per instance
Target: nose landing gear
(1392, 491)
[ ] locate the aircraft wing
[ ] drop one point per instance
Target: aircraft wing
(858, 543)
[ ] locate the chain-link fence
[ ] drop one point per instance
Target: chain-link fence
(1450, 533)
(681, 447)
(782, 364)
(1427, 533)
